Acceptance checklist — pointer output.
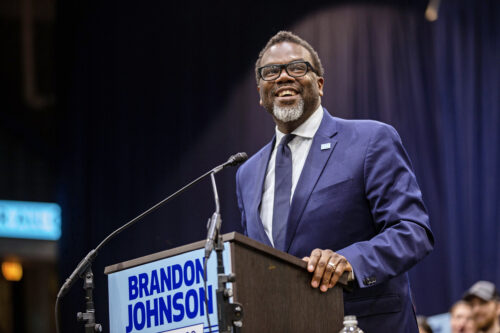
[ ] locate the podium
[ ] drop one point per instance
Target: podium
(164, 292)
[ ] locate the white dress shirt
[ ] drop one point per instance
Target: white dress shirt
(299, 146)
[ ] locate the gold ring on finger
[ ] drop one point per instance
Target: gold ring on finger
(332, 265)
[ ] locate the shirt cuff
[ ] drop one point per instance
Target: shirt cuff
(351, 275)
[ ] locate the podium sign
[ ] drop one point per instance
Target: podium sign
(166, 295)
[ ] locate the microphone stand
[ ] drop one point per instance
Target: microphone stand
(229, 314)
(88, 317)
(84, 271)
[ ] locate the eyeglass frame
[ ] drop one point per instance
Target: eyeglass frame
(285, 67)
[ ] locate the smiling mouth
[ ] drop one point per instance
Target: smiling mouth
(286, 93)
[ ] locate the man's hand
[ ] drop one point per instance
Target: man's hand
(327, 266)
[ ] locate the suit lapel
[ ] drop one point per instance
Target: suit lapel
(258, 186)
(315, 163)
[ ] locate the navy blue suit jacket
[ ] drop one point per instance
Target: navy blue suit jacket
(358, 198)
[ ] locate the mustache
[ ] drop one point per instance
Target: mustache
(286, 85)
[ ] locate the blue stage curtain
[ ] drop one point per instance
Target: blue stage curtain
(153, 98)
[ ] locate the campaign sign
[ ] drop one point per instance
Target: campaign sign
(167, 295)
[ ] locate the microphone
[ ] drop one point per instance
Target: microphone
(237, 159)
(233, 160)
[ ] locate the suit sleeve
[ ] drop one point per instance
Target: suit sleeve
(240, 202)
(403, 235)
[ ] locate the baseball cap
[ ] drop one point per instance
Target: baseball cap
(484, 290)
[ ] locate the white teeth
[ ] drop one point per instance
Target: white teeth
(286, 93)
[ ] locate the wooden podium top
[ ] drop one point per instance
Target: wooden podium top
(229, 237)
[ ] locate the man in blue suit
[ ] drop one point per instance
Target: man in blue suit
(339, 193)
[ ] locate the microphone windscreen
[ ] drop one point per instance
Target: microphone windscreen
(237, 159)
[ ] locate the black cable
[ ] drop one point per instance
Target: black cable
(57, 314)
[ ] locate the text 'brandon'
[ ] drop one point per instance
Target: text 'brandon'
(169, 294)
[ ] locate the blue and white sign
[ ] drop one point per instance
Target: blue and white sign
(167, 295)
(22, 219)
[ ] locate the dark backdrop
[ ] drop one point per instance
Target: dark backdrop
(155, 93)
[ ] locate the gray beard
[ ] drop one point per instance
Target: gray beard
(289, 113)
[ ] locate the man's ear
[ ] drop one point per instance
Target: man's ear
(260, 99)
(321, 82)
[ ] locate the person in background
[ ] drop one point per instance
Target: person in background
(423, 326)
(461, 320)
(485, 303)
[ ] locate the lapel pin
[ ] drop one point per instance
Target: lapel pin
(325, 146)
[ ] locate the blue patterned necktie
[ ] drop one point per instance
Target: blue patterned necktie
(282, 191)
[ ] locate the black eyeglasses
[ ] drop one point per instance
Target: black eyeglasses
(294, 69)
